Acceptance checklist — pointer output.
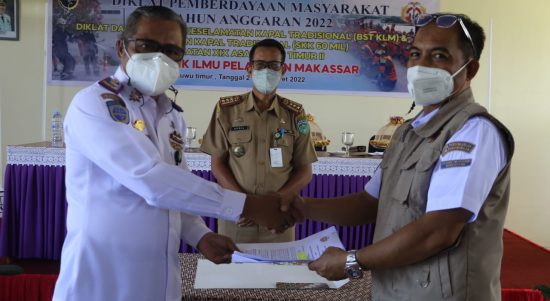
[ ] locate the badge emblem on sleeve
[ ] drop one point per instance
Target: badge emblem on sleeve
(303, 126)
(117, 108)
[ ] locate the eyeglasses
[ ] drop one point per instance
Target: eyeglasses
(147, 46)
(273, 65)
(445, 21)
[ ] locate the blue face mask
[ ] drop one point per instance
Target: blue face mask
(266, 80)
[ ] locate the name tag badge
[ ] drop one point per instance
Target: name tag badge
(276, 155)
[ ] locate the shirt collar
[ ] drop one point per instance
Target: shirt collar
(121, 76)
(423, 118)
(250, 104)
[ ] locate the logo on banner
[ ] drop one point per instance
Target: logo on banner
(68, 4)
(410, 11)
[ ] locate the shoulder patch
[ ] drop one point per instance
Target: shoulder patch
(291, 105)
(116, 107)
(228, 101)
(302, 125)
(111, 84)
(111, 96)
(460, 146)
(455, 163)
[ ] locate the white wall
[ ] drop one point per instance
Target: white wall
(520, 77)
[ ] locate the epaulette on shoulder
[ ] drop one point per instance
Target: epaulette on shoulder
(177, 107)
(111, 84)
(291, 105)
(228, 101)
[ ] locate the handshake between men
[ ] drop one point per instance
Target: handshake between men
(276, 211)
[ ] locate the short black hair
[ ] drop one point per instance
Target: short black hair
(154, 12)
(478, 37)
(268, 43)
(476, 32)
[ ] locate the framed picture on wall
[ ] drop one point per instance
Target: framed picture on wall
(9, 20)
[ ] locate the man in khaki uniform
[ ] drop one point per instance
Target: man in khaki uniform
(260, 142)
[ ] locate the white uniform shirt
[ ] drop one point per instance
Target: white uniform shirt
(126, 199)
(466, 186)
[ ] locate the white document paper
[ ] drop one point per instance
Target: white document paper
(256, 275)
(307, 249)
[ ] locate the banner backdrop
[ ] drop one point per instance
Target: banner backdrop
(344, 47)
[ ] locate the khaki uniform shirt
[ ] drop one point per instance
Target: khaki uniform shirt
(243, 136)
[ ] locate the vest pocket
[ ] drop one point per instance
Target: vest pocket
(414, 281)
(427, 160)
(445, 275)
(406, 177)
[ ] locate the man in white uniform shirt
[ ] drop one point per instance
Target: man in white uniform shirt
(131, 196)
(441, 193)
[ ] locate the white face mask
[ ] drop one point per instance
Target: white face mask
(428, 86)
(152, 73)
(266, 80)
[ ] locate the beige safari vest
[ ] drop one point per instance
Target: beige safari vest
(236, 124)
(470, 270)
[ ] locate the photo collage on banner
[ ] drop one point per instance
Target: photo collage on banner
(344, 47)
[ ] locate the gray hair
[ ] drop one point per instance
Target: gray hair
(153, 12)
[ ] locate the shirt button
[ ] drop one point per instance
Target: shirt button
(228, 211)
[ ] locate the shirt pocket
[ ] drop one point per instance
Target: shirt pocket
(286, 141)
(240, 145)
(238, 137)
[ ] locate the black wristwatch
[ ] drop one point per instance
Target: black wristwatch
(353, 269)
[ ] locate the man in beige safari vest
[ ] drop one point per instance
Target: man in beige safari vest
(440, 196)
(259, 142)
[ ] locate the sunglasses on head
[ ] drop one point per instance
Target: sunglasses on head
(445, 21)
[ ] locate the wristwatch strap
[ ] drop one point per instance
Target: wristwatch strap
(353, 269)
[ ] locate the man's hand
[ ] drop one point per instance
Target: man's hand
(331, 265)
(295, 205)
(275, 211)
(217, 248)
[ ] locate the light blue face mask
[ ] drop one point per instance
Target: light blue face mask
(266, 80)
